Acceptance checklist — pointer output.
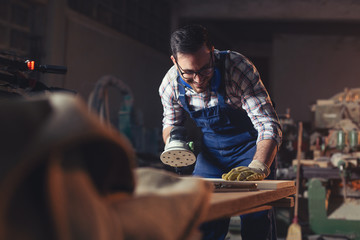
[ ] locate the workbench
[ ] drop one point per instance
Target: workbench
(228, 204)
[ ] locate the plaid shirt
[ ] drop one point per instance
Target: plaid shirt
(244, 90)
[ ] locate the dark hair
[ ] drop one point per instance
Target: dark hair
(189, 39)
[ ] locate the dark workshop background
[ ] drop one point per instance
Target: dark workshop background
(304, 49)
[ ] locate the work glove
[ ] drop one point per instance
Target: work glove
(255, 171)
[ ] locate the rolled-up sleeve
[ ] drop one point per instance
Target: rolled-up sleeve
(255, 100)
(172, 111)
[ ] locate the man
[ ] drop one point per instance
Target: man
(224, 95)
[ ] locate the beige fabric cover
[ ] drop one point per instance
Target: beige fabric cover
(63, 175)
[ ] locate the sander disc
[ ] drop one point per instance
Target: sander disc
(178, 157)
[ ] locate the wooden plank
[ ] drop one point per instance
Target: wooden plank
(284, 202)
(261, 185)
(273, 184)
(252, 210)
(233, 203)
(229, 186)
(311, 162)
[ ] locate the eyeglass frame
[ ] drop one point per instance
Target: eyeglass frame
(194, 73)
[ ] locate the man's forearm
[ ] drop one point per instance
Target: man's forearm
(266, 151)
(166, 133)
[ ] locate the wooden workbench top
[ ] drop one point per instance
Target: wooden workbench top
(262, 185)
(227, 204)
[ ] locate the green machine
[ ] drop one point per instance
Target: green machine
(319, 221)
(333, 207)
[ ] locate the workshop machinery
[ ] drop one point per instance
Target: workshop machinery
(342, 222)
(330, 169)
(19, 76)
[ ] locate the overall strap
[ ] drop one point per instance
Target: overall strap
(220, 65)
(182, 94)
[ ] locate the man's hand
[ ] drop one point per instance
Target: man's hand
(255, 171)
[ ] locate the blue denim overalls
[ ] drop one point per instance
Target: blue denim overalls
(229, 140)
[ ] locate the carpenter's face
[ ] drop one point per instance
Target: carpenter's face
(196, 68)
